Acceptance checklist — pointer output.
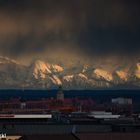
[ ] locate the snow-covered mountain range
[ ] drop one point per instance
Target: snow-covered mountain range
(44, 75)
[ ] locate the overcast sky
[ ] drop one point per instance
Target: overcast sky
(69, 29)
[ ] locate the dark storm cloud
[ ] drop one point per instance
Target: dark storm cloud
(84, 27)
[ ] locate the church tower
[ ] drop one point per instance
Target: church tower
(60, 94)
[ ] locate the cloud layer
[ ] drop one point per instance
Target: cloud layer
(77, 29)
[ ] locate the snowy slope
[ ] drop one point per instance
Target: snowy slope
(41, 74)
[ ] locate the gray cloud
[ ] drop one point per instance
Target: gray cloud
(74, 28)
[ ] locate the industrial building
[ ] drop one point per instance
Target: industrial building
(122, 101)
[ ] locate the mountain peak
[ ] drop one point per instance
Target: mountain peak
(40, 69)
(100, 73)
(57, 68)
(122, 75)
(137, 72)
(4, 60)
(138, 66)
(50, 75)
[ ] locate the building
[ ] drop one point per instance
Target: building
(11, 138)
(122, 101)
(108, 136)
(50, 137)
(60, 94)
(103, 115)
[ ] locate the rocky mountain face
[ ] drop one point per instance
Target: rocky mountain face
(43, 75)
(12, 74)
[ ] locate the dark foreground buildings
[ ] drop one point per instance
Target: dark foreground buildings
(83, 136)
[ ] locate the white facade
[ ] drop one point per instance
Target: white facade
(23, 105)
(122, 101)
(103, 115)
(26, 116)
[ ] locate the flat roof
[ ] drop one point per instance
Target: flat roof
(24, 116)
